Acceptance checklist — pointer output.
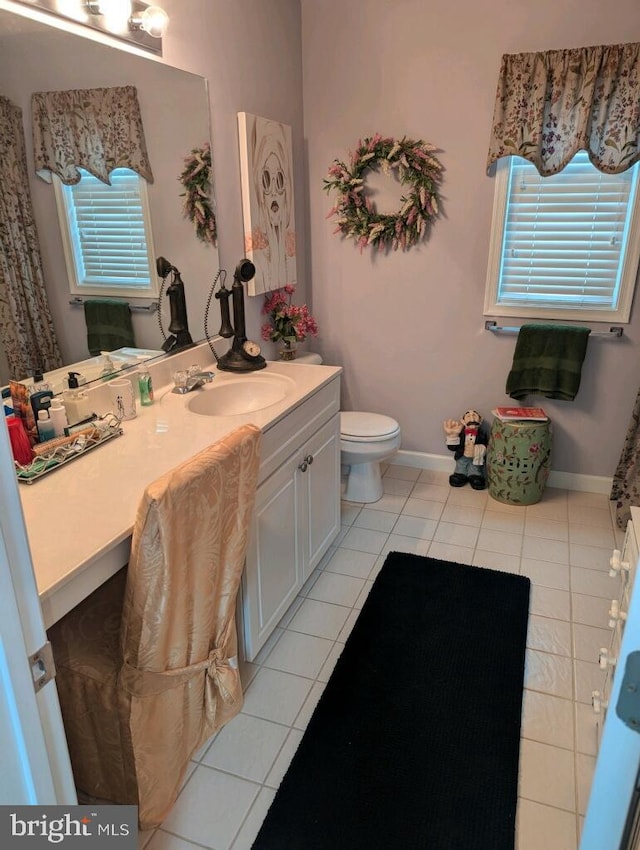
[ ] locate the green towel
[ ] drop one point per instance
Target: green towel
(108, 325)
(548, 361)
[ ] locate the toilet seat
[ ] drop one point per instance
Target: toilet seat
(359, 427)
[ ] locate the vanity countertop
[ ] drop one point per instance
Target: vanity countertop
(80, 518)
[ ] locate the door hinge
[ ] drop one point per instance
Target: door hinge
(43, 669)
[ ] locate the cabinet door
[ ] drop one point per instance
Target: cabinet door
(272, 575)
(320, 494)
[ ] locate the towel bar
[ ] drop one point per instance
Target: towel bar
(148, 308)
(615, 331)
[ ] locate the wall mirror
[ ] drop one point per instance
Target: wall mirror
(175, 113)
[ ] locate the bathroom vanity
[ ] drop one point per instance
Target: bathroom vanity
(80, 518)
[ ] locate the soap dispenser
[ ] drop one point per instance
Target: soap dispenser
(76, 402)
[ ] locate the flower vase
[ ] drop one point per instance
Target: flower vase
(288, 350)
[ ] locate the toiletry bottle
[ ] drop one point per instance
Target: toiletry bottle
(39, 383)
(76, 401)
(145, 387)
(58, 416)
(45, 426)
(40, 401)
(109, 370)
(20, 444)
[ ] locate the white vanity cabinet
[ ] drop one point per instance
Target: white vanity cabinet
(297, 512)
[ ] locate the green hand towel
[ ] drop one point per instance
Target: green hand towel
(547, 361)
(108, 325)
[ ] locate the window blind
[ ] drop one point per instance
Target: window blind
(108, 230)
(565, 236)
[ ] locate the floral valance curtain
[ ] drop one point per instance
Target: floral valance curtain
(26, 327)
(550, 105)
(94, 129)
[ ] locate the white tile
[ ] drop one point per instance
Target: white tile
(430, 492)
(547, 719)
(225, 799)
(590, 557)
(592, 535)
(277, 696)
(547, 775)
(503, 520)
(434, 476)
(556, 551)
(327, 668)
(336, 588)
(593, 583)
(388, 502)
(350, 622)
(364, 540)
(404, 473)
(375, 520)
(590, 610)
(451, 552)
(300, 654)
(588, 640)
(162, 840)
(349, 562)
(506, 542)
(309, 706)
(363, 595)
(588, 729)
(463, 514)
(396, 486)
(348, 512)
(496, 561)
(411, 526)
(251, 826)
(549, 602)
(545, 573)
(536, 526)
(423, 508)
(549, 674)
(276, 775)
(402, 543)
(590, 516)
(585, 765)
(541, 827)
(599, 501)
(319, 618)
(247, 747)
(588, 678)
(503, 508)
(468, 497)
(453, 533)
(549, 635)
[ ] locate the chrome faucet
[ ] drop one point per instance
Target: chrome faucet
(186, 382)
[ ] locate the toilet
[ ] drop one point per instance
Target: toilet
(366, 439)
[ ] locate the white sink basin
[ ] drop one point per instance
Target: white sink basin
(236, 396)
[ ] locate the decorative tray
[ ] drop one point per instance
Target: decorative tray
(65, 449)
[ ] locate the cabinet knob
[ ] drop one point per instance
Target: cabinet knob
(309, 459)
(617, 564)
(615, 614)
(597, 702)
(303, 466)
(605, 660)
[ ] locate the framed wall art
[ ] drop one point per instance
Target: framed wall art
(266, 168)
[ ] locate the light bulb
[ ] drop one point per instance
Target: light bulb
(152, 20)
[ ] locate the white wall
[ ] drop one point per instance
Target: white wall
(408, 327)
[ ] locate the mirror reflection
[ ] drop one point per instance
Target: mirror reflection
(175, 115)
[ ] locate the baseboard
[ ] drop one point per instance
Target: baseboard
(564, 480)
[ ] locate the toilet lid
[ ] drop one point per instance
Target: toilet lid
(356, 425)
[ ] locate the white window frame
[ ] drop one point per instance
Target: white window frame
(630, 258)
(73, 254)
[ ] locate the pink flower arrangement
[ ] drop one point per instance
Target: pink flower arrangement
(288, 322)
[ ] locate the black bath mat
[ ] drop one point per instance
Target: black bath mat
(414, 744)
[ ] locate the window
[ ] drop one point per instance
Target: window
(565, 246)
(106, 232)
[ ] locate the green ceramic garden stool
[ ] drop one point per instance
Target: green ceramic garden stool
(518, 458)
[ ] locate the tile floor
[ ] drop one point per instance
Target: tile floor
(563, 544)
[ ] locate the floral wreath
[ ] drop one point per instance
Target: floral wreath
(356, 214)
(197, 180)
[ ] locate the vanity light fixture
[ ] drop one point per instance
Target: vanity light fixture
(153, 20)
(131, 20)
